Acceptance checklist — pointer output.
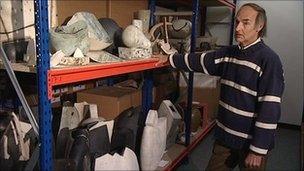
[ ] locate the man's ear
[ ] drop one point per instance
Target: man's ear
(259, 27)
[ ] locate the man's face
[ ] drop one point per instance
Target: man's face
(246, 31)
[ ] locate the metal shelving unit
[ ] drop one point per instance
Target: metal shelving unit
(43, 65)
(48, 78)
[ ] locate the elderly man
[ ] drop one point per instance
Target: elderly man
(252, 84)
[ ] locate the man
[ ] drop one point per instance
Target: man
(252, 84)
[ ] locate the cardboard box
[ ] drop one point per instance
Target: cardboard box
(208, 96)
(79, 87)
(163, 92)
(206, 90)
(110, 101)
(136, 95)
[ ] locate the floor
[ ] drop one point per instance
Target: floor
(285, 155)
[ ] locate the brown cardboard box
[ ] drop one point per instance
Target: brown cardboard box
(79, 87)
(209, 96)
(110, 101)
(136, 95)
(161, 92)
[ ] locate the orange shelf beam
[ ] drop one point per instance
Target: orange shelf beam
(228, 3)
(93, 71)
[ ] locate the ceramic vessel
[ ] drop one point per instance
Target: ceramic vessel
(144, 16)
(180, 29)
(133, 37)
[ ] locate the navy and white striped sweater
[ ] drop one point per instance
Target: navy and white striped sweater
(252, 84)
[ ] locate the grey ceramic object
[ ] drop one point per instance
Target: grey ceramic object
(180, 29)
(68, 38)
(98, 37)
(168, 110)
(115, 33)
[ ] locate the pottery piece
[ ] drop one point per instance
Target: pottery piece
(134, 37)
(126, 161)
(56, 58)
(70, 116)
(168, 110)
(68, 38)
(72, 61)
(78, 53)
(180, 29)
(144, 16)
(134, 53)
(109, 124)
(138, 24)
(103, 57)
(115, 33)
(125, 129)
(98, 37)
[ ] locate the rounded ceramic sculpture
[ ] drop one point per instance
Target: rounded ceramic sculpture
(180, 29)
(134, 37)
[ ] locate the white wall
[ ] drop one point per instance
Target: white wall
(285, 37)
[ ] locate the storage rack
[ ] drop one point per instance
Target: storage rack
(48, 78)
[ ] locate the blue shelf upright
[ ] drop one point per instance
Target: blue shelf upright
(195, 10)
(43, 65)
(148, 75)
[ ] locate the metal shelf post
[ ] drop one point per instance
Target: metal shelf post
(147, 92)
(43, 65)
(148, 78)
(152, 4)
(195, 8)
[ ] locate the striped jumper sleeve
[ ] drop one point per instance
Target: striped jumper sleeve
(199, 62)
(270, 89)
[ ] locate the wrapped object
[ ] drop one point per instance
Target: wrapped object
(69, 38)
(98, 37)
(153, 142)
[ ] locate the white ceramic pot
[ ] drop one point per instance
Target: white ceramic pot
(134, 37)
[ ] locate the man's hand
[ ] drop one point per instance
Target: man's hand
(163, 59)
(253, 160)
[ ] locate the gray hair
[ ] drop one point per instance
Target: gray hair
(261, 17)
